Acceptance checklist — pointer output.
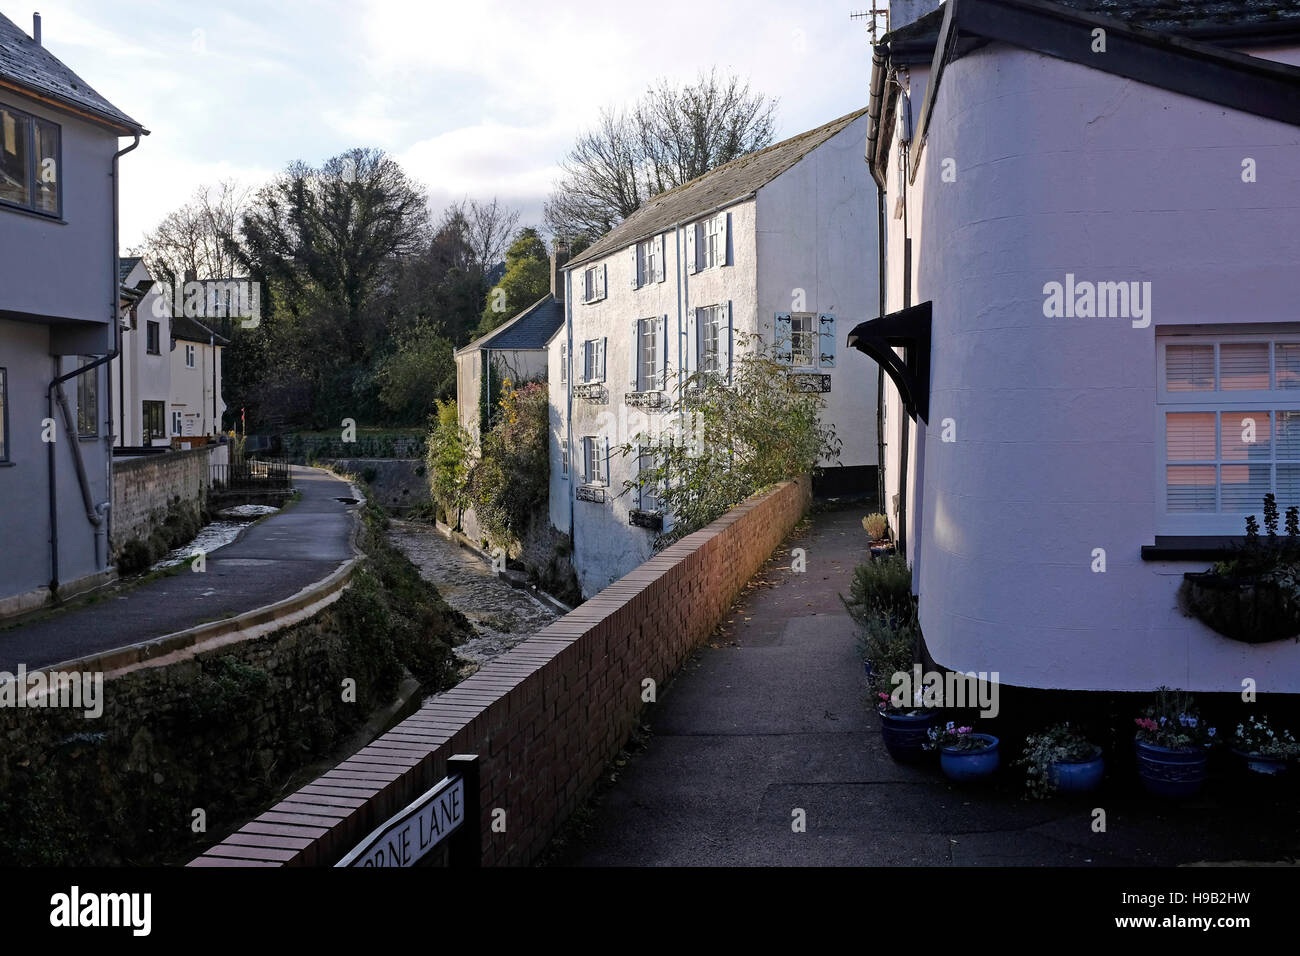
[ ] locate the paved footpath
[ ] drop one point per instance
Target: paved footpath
(270, 561)
(772, 716)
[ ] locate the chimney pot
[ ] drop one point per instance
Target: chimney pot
(36, 28)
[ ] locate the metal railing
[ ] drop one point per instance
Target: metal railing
(268, 473)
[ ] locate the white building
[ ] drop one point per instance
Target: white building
(142, 373)
(779, 244)
(1052, 473)
(194, 404)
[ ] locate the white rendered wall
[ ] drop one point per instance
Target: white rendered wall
(1063, 169)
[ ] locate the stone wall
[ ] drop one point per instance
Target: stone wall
(145, 487)
(546, 717)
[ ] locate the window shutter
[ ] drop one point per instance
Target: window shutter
(663, 352)
(724, 230)
(691, 360)
(601, 350)
(826, 339)
(691, 262)
(636, 266)
(564, 364)
(586, 461)
(782, 340)
(604, 278)
(605, 476)
(725, 345)
(634, 356)
(661, 267)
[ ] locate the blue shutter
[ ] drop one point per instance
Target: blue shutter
(636, 267)
(663, 264)
(782, 340)
(690, 249)
(606, 475)
(691, 361)
(724, 233)
(726, 347)
(634, 355)
(826, 339)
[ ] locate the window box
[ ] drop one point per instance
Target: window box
(810, 382)
(591, 392)
(1250, 609)
(595, 493)
(653, 520)
(645, 399)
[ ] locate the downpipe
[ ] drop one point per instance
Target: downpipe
(98, 515)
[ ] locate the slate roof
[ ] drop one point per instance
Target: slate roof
(192, 330)
(530, 329)
(125, 266)
(27, 64)
(730, 181)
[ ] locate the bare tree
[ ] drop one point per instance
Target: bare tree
(200, 238)
(672, 135)
(488, 228)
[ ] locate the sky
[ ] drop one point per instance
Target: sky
(476, 99)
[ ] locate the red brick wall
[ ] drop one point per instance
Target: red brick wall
(545, 718)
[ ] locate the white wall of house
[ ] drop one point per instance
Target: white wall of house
(1059, 449)
(192, 387)
(138, 374)
(557, 396)
(816, 253)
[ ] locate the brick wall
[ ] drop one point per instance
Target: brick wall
(546, 717)
(145, 486)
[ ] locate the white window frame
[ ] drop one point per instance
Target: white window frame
(593, 283)
(813, 334)
(647, 499)
(564, 364)
(564, 459)
(710, 316)
(1218, 401)
(178, 422)
(649, 363)
(190, 355)
(593, 360)
(594, 464)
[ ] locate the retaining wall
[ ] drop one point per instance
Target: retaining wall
(545, 718)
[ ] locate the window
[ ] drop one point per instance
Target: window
(711, 328)
(178, 427)
(594, 458)
(564, 458)
(593, 284)
(648, 369)
(152, 416)
(1229, 422)
(593, 360)
(189, 356)
(4, 414)
(29, 162)
(805, 340)
(564, 364)
(647, 490)
(648, 262)
(151, 338)
(87, 401)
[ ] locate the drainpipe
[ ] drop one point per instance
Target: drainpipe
(94, 513)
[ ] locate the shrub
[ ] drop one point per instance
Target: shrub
(881, 587)
(511, 481)
(447, 459)
(876, 525)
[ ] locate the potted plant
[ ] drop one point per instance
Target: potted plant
(904, 729)
(1264, 749)
(963, 754)
(1061, 760)
(1253, 596)
(1173, 745)
(877, 526)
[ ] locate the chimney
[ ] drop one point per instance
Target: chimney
(36, 28)
(559, 257)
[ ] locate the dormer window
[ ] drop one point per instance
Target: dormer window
(29, 162)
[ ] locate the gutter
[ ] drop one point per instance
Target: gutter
(94, 513)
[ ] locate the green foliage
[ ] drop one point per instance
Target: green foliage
(890, 644)
(881, 587)
(728, 441)
(448, 462)
(223, 693)
(1174, 721)
(510, 483)
(416, 374)
(527, 279)
(1059, 743)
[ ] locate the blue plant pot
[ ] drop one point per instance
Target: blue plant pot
(1079, 776)
(1258, 764)
(962, 765)
(905, 734)
(1172, 773)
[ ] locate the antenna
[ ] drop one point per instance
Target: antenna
(877, 28)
